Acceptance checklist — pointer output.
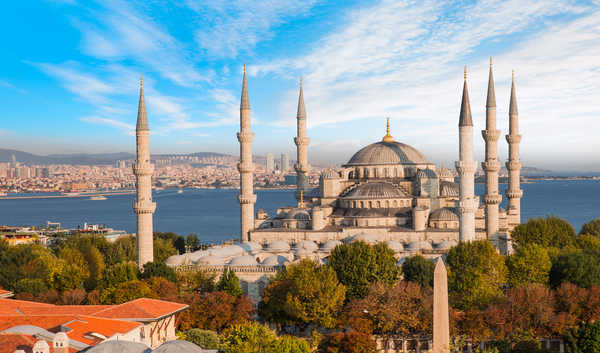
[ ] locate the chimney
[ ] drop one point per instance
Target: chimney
(61, 343)
(41, 347)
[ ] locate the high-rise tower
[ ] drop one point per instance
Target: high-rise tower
(466, 169)
(247, 198)
(302, 167)
(270, 167)
(491, 166)
(143, 169)
(514, 192)
(285, 162)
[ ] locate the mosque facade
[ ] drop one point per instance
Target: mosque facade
(387, 192)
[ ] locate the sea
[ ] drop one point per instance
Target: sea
(213, 214)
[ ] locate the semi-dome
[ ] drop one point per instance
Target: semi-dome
(115, 346)
(364, 237)
(419, 245)
(446, 244)
(275, 260)
(250, 246)
(174, 260)
(178, 346)
(395, 246)
(330, 245)
(211, 260)
(444, 214)
(390, 152)
(375, 190)
(307, 245)
(246, 260)
(298, 214)
(278, 246)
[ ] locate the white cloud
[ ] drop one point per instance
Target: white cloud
(129, 129)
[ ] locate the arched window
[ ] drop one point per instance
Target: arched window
(378, 204)
(387, 203)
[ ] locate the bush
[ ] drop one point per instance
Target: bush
(206, 339)
(418, 269)
(158, 269)
(229, 283)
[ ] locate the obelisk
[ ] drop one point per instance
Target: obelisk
(441, 324)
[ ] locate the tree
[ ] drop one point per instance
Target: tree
(123, 249)
(163, 249)
(119, 273)
(588, 339)
(229, 283)
(206, 339)
(418, 269)
(476, 272)
(529, 264)
(548, 232)
(569, 306)
(158, 269)
(347, 342)
(95, 264)
(291, 344)
(200, 281)
(589, 242)
(579, 267)
(33, 286)
(27, 261)
(215, 311)
(126, 291)
(591, 228)
(72, 297)
(358, 264)
(74, 269)
(250, 337)
(192, 242)
(163, 288)
(306, 293)
(404, 308)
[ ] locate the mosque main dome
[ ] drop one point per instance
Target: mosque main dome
(387, 153)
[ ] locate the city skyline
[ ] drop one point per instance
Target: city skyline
(71, 87)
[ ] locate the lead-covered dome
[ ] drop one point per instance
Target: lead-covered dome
(375, 190)
(387, 153)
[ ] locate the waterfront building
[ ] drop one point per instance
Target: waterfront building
(285, 163)
(143, 169)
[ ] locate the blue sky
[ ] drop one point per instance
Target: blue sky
(69, 74)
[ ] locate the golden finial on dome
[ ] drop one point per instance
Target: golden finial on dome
(388, 137)
(301, 201)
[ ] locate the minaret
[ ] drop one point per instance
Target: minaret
(491, 166)
(247, 198)
(143, 169)
(302, 167)
(466, 169)
(514, 192)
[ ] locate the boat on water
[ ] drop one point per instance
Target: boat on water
(3, 194)
(97, 198)
(180, 191)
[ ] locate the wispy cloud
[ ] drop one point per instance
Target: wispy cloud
(129, 129)
(7, 84)
(232, 27)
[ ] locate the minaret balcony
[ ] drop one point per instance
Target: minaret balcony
(467, 206)
(143, 169)
(512, 139)
(513, 165)
(492, 199)
(247, 199)
(514, 194)
(245, 136)
(245, 167)
(491, 166)
(465, 167)
(301, 168)
(301, 141)
(144, 207)
(490, 135)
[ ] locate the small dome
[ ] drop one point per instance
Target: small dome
(387, 153)
(211, 260)
(419, 245)
(330, 245)
(275, 260)
(174, 260)
(246, 260)
(227, 251)
(364, 237)
(426, 174)
(114, 346)
(250, 246)
(278, 246)
(298, 214)
(395, 246)
(330, 174)
(307, 245)
(444, 214)
(448, 189)
(375, 190)
(303, 253)
(178, 346)
(446, 244)
(194, 256)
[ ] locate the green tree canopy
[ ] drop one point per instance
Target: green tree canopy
(74, 269)
(548, 232)
(589, 242)
(229, 283)
(250, 337)
(163, 249)
(529, 264)
(192, 242)
(591, 228)
(126, 291)
(476, 273)
(306, 293)
(588, 338)
(291, 344)
(347, 342)
(215, 311)
(419, 270)
(95, 264)
(579, 267)
(119, 273)
(158, 269)
(358, 264)
(206, 339)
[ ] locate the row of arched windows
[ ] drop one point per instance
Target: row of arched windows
(378, 203)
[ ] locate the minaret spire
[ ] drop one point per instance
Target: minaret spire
(491, 166)
(466, 169)
(143, 169)
(246, 198)
(514, 192)
(301, 140)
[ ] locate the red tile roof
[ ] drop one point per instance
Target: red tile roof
(143, 309)
(10, 342)
(5, 293)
